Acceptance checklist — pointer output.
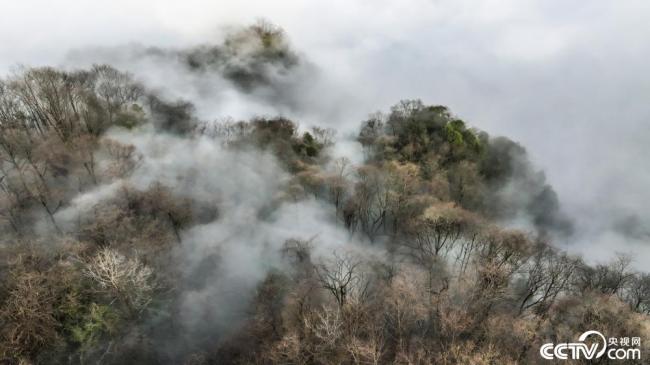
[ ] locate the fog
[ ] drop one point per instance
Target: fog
(566, 79)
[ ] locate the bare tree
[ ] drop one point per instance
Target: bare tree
(123, 158)
(337, 182)
(343, 277)
(28, 316)
(384, 198)
(369, 350)
(114, 89)
(499, 255)
(637, 293)
(11, 203)
(548, 274)
(369, 208)
(324, 136)
(127, 279)
(608, 279)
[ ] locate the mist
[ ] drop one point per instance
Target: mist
(564, 79)
(247, 169)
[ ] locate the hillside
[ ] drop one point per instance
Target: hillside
(134, 232)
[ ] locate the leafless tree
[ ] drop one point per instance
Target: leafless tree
(337, 182)
(637, 293)
(343, 277)
(369, 208)
(548, 273)
(608, 279)
(28, 316)
(124, 158)
(127, 279)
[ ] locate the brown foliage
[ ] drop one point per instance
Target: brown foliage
(28, 316)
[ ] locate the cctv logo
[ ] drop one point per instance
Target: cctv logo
(580, 350)
(561, 351)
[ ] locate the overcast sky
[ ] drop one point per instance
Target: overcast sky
(567, 79)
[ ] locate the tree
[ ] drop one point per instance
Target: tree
(499, 255)
(427, 241)
(637, 293)
(405, 200)
(28, 171)
(123, 158)
(337, 182)
(434, 233)
(28, 317)
(114, 90)
(45, 98)
(405, 308)
(466, 186)
(547, 275)
(608, 279)
(369, 207)
(385, 198)
(126, 279)
(11, 204)
(342, 276)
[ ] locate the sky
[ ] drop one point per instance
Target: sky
(566, 79)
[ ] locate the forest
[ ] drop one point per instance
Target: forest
(136, 232)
